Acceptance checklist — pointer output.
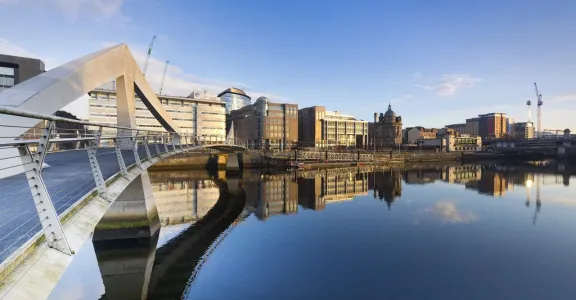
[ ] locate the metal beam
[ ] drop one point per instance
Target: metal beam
(96, 171)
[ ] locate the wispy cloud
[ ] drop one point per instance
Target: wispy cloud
(564, 97)
(82, 9)
(447, 85)
(179, 82)
(401, 98)
(449, 213)
(10, 48)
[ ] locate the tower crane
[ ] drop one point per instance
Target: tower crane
(539, 113)
(163, 77)
(148, 56)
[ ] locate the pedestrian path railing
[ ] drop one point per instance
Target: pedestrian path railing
(44, 171)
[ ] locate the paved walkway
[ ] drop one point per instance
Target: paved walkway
(68, 178)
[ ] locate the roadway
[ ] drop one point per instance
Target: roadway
(68, 178)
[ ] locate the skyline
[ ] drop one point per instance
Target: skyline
(436, 63)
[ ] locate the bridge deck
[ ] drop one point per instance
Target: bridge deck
(68, 178)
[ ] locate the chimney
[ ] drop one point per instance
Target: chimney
(375, 117)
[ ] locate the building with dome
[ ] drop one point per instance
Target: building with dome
(234, 99)
(386, 130)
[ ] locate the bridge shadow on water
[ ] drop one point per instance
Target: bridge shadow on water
(134, 268)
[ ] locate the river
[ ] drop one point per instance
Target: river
(436, 232)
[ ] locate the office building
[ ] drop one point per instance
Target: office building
(459, 128)
(267, 125)
(510, 125)
(15, 69)
(472, 127)
(522, 131)
(203, 118)
(413, 134)
(492, 125)
(234, 99)
(386, 131)
(451, 143)
(321, 128)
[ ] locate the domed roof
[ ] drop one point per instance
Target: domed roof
(263, 99)
(390, 112)
(234, 90)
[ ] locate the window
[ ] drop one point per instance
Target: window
(5, 71)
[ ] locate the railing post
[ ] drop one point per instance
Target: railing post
(135, 149)
(145, 143)
(49, 220)
(91, 148)
(156, 142)
(173, 142)
(121, 164)
(164, 138)
(78, 136)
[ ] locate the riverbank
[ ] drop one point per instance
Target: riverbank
(257, 160)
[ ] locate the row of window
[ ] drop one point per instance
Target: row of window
(103, 105)
(6, 71)
(6, 81)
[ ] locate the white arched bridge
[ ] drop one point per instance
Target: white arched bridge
(51, 197)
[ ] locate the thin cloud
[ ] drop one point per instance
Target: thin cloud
(564, 97)
(449, 213)
(181, 83)
(447, 85)
(96, 10)
(9, 48)
(401, 99)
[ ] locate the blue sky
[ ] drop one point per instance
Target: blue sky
(438, 62)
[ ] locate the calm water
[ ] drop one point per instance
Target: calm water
(466, 232)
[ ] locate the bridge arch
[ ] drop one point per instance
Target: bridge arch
(58, 87)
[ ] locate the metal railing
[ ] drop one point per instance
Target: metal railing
(70, 175)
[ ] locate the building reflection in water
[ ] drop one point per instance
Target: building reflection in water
(181, 199)
(387, 185)
(275, 194)
(197, 200)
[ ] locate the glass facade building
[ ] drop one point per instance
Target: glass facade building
(234, 99)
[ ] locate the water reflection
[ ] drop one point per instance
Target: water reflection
(197, 213)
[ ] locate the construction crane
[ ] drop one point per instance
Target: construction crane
(539, 113)
(148, 56)
(529, 104)
(538, 202)
(163, 77)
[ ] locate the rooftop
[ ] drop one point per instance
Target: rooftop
(215, 101)
(235, 91)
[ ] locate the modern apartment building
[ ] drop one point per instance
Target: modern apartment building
(15, 69)
(266, 124)
(522, 131)
(321, 128)
(204, 118)
(472, 127)
(492, 125)
(234, 99)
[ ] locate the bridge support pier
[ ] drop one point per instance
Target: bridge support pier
(130, 278)
(132, 215)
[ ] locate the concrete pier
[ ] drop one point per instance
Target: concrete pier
(126, 266)
(132, 215)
